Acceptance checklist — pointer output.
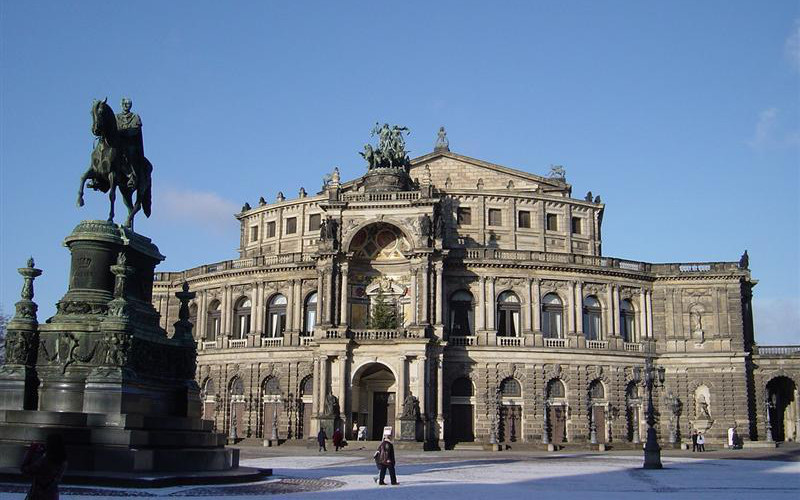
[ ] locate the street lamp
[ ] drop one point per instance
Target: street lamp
(652, 451)
(769, 404)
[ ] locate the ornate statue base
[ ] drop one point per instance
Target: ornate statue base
(408, 428)
(120, 392)
(386, 179)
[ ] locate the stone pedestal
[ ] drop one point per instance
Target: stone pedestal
(328, 423)
(407, 430)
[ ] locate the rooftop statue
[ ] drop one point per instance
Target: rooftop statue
(442, 144)
(118, 160)
(391, 152)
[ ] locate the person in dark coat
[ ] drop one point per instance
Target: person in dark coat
(46, 465)
(321, 437)
(694, 440)
(337, 439)
(384, 458)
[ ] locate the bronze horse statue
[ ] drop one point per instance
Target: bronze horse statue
(111, 167)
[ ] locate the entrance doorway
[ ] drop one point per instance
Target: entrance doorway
(462, 413)
(783, 408)
(374, 399)
(558, 424)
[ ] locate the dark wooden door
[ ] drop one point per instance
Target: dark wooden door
(305, 421)
(599, 416)
(269, 413)
(383, 407)
(237, 417)
(461, 423)
(558, 424)
(208, 411)
(510, 423)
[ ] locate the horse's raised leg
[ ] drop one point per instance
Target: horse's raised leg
(127, 198)
(83, 181)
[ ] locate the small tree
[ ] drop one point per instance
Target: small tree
(384, 314)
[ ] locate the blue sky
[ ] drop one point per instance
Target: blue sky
(683, 116)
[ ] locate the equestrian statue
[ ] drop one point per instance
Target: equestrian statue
(118, 160)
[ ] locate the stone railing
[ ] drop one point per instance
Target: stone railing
(376, 334)
(210, 344)
(249, 263)
(633, 347)
(234, 343)
(597, 344)
(385, 196)
(555, 342)
(510, 341)
(306, 341)
(462, 341)
(778, 350)
(271, 341)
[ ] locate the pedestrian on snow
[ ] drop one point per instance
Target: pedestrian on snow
(694, 439)
(354, 434)
(321, 437)
(337, 439)
(384, 459)
(701, 442)
(45, 464)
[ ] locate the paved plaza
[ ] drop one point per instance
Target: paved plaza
(302, 473)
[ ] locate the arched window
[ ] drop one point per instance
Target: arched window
(627, 321)
(510, 388)
(461, 314)
(552, 314)
(307, 386)
(592, 318)
(276, 316)
(310, 314)
(508, 315)
(209, 390)
(556, 389)
(462, 387)
(632, 391)
(214, 321)
(272, 387)
(596, 390)
(242, 314)
(193, 320)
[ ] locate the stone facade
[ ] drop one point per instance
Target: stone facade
(510, 324)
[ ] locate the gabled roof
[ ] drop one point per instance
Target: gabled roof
(553, 183)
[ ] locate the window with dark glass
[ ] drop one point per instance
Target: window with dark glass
(552, 222)
(627, 321)
(462, 387)
(271, 229)
(524, 219)
(510, 388)
(314, 221)
(254, 233)
(276, 316)
(508, 315)
(310, 317)
(213, 321)
(556, 389)
(242, 318)
(291, 225)
(591, 318)
(464, 216)
(461, 314)
(576, 225)
(495, 217)
(596, 390)
(552, 313)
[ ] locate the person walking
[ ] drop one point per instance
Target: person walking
(384, 459)
(337, 439)
(694, 440)
(321, 437)
(46, 465)
(701, 442)
(354, 433)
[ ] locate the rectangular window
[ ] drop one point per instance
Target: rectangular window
(313, 222)
(576, 225)
(291, 225)
(524, 218)
(254, 233)
(464, 216)
(271, 229)
(552, 222)
(495, 217)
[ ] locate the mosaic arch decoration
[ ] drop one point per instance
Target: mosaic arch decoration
(379, 241)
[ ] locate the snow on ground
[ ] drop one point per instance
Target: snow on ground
(589, 477)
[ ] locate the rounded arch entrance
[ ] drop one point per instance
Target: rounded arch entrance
(783, 408)
(374, 399)
(378, 278)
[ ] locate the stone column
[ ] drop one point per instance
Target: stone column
(527, 317)
(425, 275)
(226, 318)
(579, 307)
(481, 305)
(323, 382)
(202, 319)
(414, 295)
(422, 386)
(315, 401)
(345, 316)
(320, 293)
(615, 301)
(440, 394)
(571, 308)
(401, 390)
(536, 305)
(643, 314)
(491, 310)
(343, 406)
(290, 306)
(610, 308)
(649, 297)
(439, 267)
(298, 316)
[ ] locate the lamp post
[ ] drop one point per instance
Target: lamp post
(769, 404)
(652, 451)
